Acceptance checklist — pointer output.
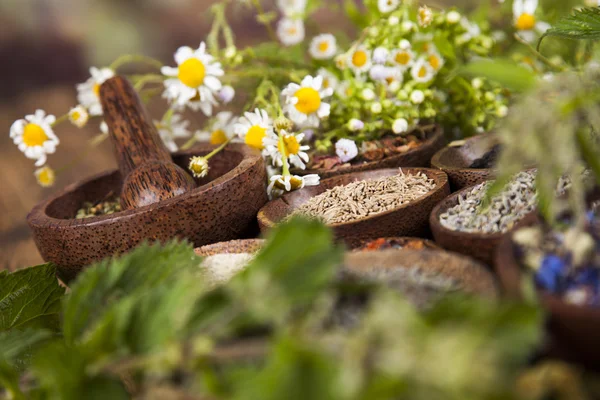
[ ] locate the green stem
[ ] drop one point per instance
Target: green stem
(218, 149)
(168, 115)
(135, 58)
(147, 79)
(60, 120)
(261, 12)
(286, 167)
(539, 55)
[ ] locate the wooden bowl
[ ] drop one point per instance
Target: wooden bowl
(481, 246)
(401, 240)
(231, 247)
(455, 161)
(407, 220)
(417, 157)
(471, 276)
(573, 329)
(219, 209)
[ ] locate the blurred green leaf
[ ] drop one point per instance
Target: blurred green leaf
(589, 150)
(30, 298)
(584, 23)
(506, 73)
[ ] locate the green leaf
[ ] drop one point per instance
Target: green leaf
(583, 24)
(508, 74)
(354, 14)
(30, 298)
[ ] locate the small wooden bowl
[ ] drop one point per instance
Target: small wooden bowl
(574, 329)
(417, 157)
(455, 161)
(401, 240)
(218, 209)
(407, 220)
(473, 277)
(231, 247)
(481, 246)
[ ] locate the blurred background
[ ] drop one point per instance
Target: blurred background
(47, 46)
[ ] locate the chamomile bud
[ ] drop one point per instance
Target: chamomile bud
(404, 44)
(230, 52)
(378, 73)
(368, 94)
(282, 123)
(198, 166)
(394, 86)
(376, 108)
(477, 83)
(373, 31)
(393, 20)
(380, 55)
(489, 96)
(355, 125)
(78, 116)
(453, 17)
(408, 26)
(400, 126)
(502, 111)
(417, 96)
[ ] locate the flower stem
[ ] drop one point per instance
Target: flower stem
(135, 58)
(217, 150)
(538, 54)
(141, 82)
(60, 120)
(261, 13)
(285, 166)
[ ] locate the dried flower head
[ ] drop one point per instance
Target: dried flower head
(198, 166)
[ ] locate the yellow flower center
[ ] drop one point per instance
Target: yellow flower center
(309, 100)
(295, 183)
(525, 22)
(323, 46)
(46, 176)
(325, 83)
(422, 72)
(75, 115)
(292, 31)
(34, 135)
(192, 72)
(359, 58)
(218, 137)
(254, 137)
(434, 61)
(289, 145)
(402, 58)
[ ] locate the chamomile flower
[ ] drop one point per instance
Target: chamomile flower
(291, 7)
(304, 102)
(194, 82)
(359, 59)
(417, 96)
(380, 55)
(346, 149)
(88, 93)
(341, 61)
(403, 58)
(329, 79)
(291, 182)
(198, 166)
(34, 136)
(424, 16)
(435, 60)
(45, 176)
(422, 71)
(393, 76)
(221, 130)
(323, 47)
(288, 145)
(290, 31)
(172, 129)
(378, 72)
(254, 127)
(78, 116)
(525, 21)
(386, 6)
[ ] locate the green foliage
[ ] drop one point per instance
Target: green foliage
(583, 24)
(506, 73)
(30, 298)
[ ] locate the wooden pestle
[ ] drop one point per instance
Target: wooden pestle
(149, 173)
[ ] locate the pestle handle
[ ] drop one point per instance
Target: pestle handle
(149, 173)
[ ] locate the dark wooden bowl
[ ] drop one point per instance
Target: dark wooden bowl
(574, 330)
(401, 240)
(219, 209)
(473, 277)
(455, 161)
(417, 157)
(407, 220)
(231, 247)
(481, 246)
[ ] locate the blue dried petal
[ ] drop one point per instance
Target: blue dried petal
(588, 276)
(551, 272)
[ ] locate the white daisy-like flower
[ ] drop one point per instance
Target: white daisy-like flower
(254, 127)
(304, 103)
(194, 82)
(417, 96)
(45, 176)
(329, 79)
(422, 72)
(355, 125)
(378, 72)
(403, 58)
(387, 6)
(424, 16)
(400, 125)
(88, 93)
(198, 166)
(173, 129)
(79, 116)
(359, 59)
(380, 55)
(524, 19)
(287, 145)
(346, 149)
(291, 182)
(323, 47)
(221, 130)
(435, 59)
(291, 8)
(290, 31)
(376, 108)
(226, 94)
(393, 76)
(34, 136)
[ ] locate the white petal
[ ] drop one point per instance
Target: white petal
(183, 53)
(324, 110)
(212, 83)
(169, 71)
